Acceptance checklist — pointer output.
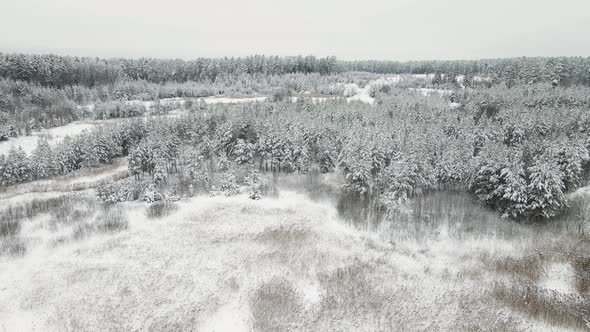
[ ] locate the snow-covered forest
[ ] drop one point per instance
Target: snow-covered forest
(294, 193)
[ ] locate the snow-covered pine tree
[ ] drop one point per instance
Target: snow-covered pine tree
(42, 161)
(17, 166)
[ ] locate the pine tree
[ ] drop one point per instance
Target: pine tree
(17, 166)
(42, 161)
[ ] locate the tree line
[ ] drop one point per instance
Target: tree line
(565, 70)
(59, 71)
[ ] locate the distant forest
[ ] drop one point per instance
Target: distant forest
(59, 71)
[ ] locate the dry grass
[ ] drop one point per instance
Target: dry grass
(292, 264)
(276, 306)
(525, 292)
(347, 285)
(568, 310)
(40, 221)
(582, 267)
(10, 227)
(529, 267)
(111, 219)
(12, 246)
(63, 209)
(10, 223)
(285, 235)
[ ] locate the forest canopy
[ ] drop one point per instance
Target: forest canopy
(59, 71)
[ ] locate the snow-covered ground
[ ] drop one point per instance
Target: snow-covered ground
(53, 136)
(362, 94)
(560, 277)
(234, 264)
(428, 91)
(224, 100)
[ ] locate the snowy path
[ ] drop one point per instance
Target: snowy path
(75, 181)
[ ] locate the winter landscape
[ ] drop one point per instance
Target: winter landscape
(292, 192)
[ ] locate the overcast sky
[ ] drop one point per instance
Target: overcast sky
(362, 29)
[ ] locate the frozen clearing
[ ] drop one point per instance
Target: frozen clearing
(53, 136)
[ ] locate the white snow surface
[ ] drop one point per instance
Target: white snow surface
(53, 136)
(560, 277)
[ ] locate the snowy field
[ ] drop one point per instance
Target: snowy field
(286, 262)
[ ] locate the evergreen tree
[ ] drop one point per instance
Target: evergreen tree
(42, 161)
(17, 166)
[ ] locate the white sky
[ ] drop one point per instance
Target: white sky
(362, 29)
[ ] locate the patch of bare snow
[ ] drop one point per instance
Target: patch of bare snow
(454, 106)
(560, 277)
(363, 95)
(20, 321)
(311, 291)
(232, 317)
(581, 192)
(428, 91)
(228, 100)
(53, 136)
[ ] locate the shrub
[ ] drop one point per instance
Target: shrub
(281, 94)
(160, 209)
(121, 191)
(111, 219)
(152, 195)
